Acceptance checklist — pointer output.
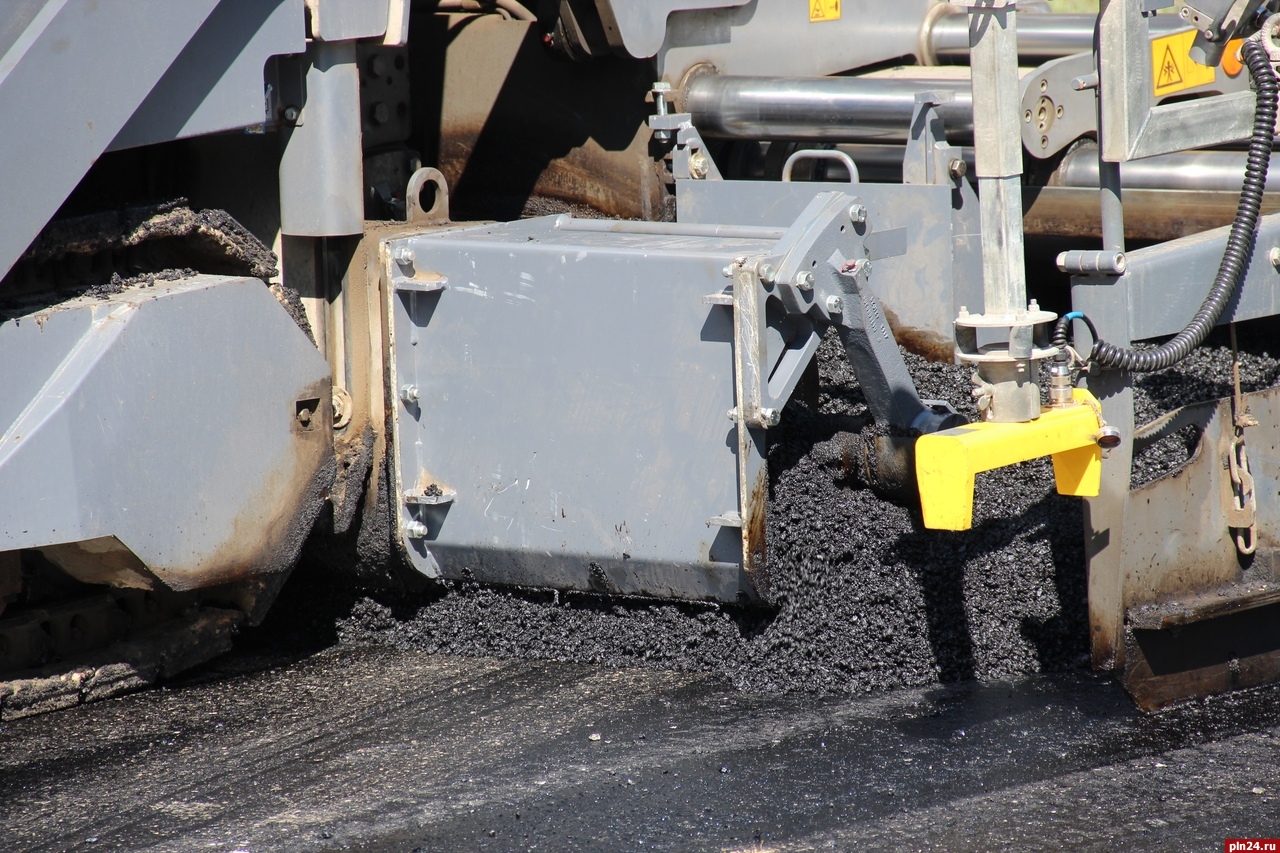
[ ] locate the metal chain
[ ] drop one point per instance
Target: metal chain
(1242, 515)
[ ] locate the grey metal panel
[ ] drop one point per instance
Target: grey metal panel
(216, 83)
(67, 86)
(166, 418)
(321, 169)
(341, 20)
(641, 25)
(942, 250)
(1168, 281)
(777, 38)
(573, 392)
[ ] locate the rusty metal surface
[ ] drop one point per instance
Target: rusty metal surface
(1148, 214)
(1200, 617)
(511, 121)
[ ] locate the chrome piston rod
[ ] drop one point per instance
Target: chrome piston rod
(1040, 36)
(1185, 170)
(827, 109)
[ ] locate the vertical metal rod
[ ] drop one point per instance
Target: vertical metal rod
(1109, 192)
(993, 42)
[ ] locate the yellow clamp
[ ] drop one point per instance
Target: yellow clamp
(947, 461)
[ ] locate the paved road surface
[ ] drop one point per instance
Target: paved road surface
(370, 748)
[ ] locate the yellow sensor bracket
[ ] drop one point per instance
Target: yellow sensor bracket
(947, 462)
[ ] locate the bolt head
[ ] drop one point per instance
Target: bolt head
(768, 274)
(771, 417)
(380, 114)
(291, 113)
(409, 393)
(699, 165)
(660, 86)
(804, 280)
(1274, 257)
(415, 529)
(858, 213)
(835, 305)
(958, 168)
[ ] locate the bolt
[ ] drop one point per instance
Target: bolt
(304, 416)
(835, 305)
(291, 113)
(733, 414)
(1033, 306)
(964, 312)
(958, 168)
(1274, 257)
(858, 213)
(804, 280)
(415, 530)
(409, 394)
(727, 272)
(771, 417)
(660, 91)
(403, 255)
(768, 274)
(699, 165)
(379, 114)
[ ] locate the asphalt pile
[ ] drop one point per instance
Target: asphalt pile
(866, 599)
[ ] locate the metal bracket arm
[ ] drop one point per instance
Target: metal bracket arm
(947, 461)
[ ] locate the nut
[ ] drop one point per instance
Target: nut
(835, 305)
(958, 168)
(858, 213)
(415, 529)
(768, 274)
(409, 394)
(403, 255)
(804, 280)
(291, 113)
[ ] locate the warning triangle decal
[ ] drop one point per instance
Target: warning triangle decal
(1169, 73)
(815, 11)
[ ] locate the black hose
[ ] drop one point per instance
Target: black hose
(1239, 244)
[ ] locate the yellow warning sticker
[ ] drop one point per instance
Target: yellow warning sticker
(1172, 69)
(824, 10)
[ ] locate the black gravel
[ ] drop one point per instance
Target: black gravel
(866, 598)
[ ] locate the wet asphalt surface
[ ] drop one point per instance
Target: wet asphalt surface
(370, 748)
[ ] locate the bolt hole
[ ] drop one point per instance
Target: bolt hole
(841, 229)
(427, 195)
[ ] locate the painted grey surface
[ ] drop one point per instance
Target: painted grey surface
(941, 250)
(763, 37)
(163, 417)
(1133, 126)
(339, 20)
(573, 391)
(68, 84)
(1167, 282)
(216, 82)
(641, 24)
(321, 167)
